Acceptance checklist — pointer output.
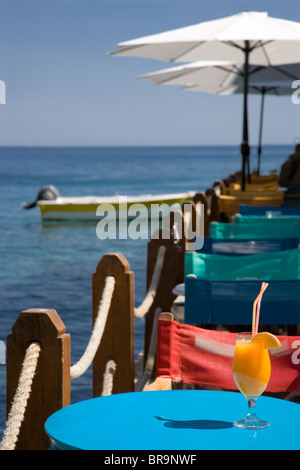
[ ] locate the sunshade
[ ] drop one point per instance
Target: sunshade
(225, 78)
(262, 88)
(248, 37)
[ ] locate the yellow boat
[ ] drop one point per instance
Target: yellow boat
(94, 207)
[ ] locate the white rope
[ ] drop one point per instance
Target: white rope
(18, 408)
(108, 378)
(148, 300)
(176, 233)
(188, 223)
(82, 365)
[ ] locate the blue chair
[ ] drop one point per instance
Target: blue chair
(246, 209)
(239, 247)
(209, 302)
(286, 220)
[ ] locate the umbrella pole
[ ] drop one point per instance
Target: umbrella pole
(245, 149)
(263, 91)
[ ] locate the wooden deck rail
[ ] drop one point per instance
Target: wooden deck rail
(118, 338)
(51, 384)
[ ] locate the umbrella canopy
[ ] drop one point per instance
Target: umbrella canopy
(226, 78)
(272, 88)
(248, 37)
(222, 38)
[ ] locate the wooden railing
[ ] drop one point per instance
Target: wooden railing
(112, 339)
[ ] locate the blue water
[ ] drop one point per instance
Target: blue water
(50, 265)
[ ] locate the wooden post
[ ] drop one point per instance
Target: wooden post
(118, 337)
(201, 198)
(51, 383)
(172, 271)
(214, 205)
(220, 187)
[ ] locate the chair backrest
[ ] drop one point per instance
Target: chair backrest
(271, 185)
(261, 179)
(286, 220)
(254, 230)
(279, 265)
(229, 205)
(239, 247)
(204, 357)
(230, 302)
(254, 192)
(247, 209)
(290, 223)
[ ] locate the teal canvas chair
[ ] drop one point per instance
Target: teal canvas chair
(272, 266)
(255, 228)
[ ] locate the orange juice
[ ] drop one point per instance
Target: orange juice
(251, 367)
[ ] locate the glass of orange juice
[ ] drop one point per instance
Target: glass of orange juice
(251, 372)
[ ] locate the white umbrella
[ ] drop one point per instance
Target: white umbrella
(223, 77)
(272, 88)
(226, 78)
(248, 37)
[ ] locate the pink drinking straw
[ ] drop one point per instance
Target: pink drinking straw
(256, 311)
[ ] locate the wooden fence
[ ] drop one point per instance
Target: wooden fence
(50, 384)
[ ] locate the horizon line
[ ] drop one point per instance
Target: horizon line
(138, 145)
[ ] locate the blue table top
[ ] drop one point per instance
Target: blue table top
(173, 420)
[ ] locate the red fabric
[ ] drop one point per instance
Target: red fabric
(204, 357)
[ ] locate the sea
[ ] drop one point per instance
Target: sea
(50, 264)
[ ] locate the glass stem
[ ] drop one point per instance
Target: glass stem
(251, 415)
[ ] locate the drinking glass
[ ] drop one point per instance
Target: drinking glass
(251, 372)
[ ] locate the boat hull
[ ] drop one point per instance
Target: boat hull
(121, 207)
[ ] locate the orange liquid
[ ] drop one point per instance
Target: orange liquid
(251, 368)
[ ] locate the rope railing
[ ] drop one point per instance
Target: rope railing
(176, 233)
(141, 311)
(29, 365)
(108, 378)
(87, 358)
(82, 365)
(18, 408)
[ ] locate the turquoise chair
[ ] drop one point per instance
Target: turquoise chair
(255, 228)
(239, 247)
(279, 265)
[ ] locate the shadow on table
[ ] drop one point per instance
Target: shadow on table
(195, 423)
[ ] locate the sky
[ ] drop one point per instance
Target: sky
(63, 89)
